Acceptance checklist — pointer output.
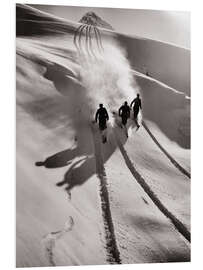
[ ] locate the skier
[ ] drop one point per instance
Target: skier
(103, 116)
(137, 106)
(124, 113)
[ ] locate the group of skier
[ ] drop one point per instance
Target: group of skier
(124, 112)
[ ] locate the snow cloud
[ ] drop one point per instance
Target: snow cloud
(106, 77)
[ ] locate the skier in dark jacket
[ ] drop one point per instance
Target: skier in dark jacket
(136, 107)
(124, 113)
(103, 116)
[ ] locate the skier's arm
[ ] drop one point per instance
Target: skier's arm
(132, 102)
(119, 111)
(140, 104)
(96, 116)
(107, 116)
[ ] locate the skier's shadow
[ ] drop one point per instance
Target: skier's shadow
(58, 160)
(80, 160)
(79, 172)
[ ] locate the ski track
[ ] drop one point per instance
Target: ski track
(50, 239)
(138, 177)
(113, 254)
(173, 161)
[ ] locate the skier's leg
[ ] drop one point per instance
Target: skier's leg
(104, 135)
(103, 129)
(124, 122)
(135, 118)
(126, 131)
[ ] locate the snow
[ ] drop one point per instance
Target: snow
(77, 200)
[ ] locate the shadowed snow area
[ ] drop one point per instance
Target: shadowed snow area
(78, 200)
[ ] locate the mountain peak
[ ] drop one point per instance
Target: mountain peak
(93, 19)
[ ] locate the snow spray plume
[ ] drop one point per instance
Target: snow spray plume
(106, 77)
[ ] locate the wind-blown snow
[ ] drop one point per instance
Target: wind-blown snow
(61, 218)
(107, 79)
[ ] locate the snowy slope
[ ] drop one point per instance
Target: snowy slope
(165, 62)
(79, 201)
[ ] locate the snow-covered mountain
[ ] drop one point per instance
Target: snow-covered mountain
(93, 19)
(80, 201)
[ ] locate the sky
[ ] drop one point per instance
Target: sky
(167, 26)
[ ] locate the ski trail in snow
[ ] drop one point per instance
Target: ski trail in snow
(173, 161)
(113, 255)
(176, 222)
(49, 240)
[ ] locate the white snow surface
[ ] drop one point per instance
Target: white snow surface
(66, 206)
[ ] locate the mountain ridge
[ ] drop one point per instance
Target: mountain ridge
(93, 19)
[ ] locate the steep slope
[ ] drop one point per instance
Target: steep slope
(165, 62)
(45, 134)
(77, 200)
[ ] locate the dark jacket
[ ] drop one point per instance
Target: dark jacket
(101, 114)
(137, 104)
(124, 111)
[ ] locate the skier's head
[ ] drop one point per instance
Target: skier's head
(125, 103)
(138, 95)
(101, 105)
